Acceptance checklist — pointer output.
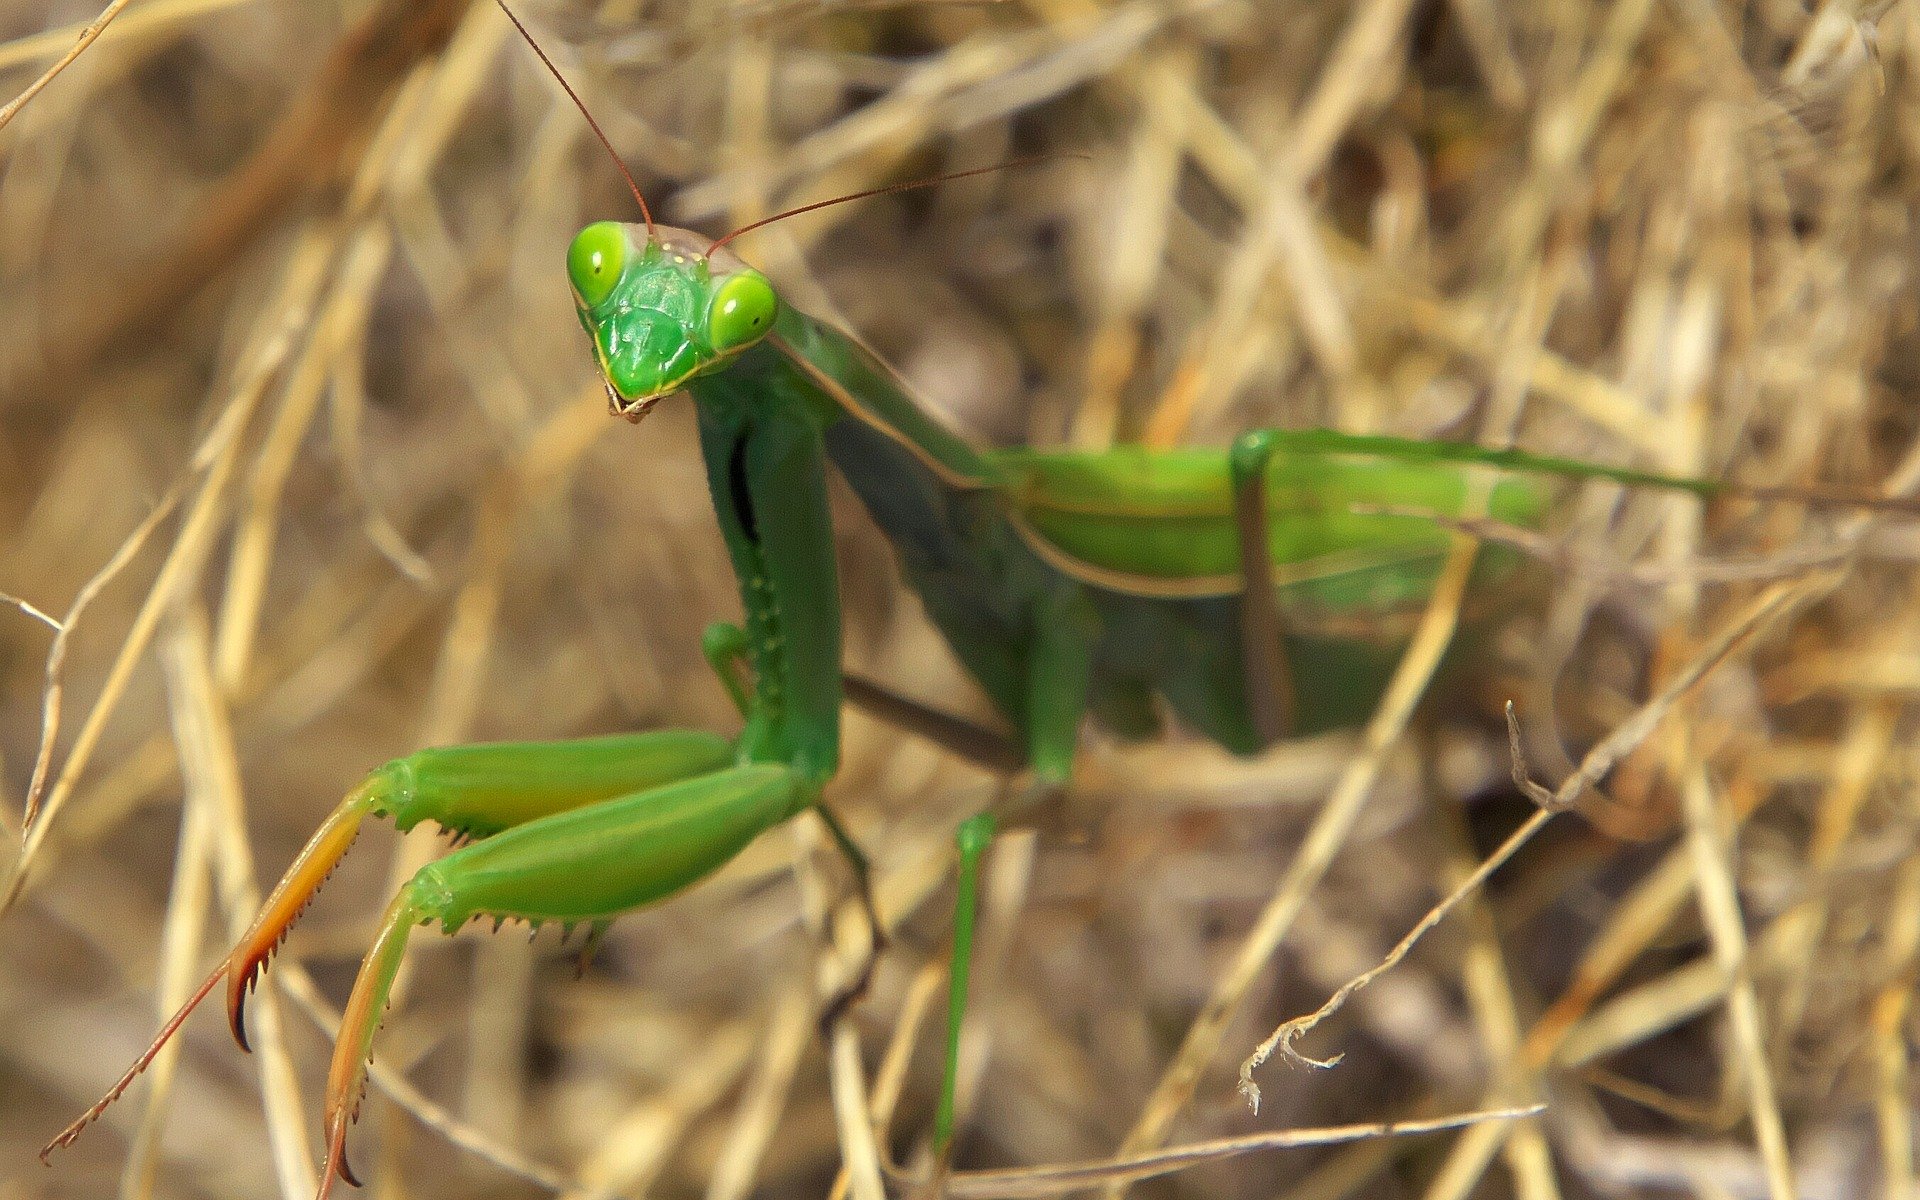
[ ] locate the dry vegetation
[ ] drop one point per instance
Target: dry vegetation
(283, 282)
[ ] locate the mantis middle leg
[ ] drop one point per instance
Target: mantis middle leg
(1064, 635)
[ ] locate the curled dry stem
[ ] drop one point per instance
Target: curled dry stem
(1593, 768)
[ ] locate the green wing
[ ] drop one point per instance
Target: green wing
(1351, 525)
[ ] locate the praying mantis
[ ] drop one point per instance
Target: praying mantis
(1221, 586)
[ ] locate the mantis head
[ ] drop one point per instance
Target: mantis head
(663, 307)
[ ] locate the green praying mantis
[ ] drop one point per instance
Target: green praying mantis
(1220, 585)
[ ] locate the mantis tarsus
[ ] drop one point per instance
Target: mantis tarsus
(1114, 584)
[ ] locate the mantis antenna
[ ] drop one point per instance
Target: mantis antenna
(645, 212)
(889, 189)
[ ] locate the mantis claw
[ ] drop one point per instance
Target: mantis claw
(353, 1050)
(292, 894)
(336, 1165)
(242, 968)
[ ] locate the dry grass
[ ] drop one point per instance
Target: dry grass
(283, 284)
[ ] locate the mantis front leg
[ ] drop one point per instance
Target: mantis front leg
(671, 805)
(589, 864)
(475, 792)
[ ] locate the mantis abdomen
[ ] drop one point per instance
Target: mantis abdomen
(1141, 549)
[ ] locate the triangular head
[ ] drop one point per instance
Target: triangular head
(663, 309)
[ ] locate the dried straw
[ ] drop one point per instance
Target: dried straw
(303, 465)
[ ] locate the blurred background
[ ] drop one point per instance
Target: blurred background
(304, 464)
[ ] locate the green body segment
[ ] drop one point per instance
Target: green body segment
(815, 365)
(482, 789)
(1168, 516)
(766, 469)
(600, 859)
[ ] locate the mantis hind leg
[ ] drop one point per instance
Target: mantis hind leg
(1269, 685)
(1066, 629)
(973, 838)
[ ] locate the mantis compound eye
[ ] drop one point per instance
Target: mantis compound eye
(742, 311)
(595, 260)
